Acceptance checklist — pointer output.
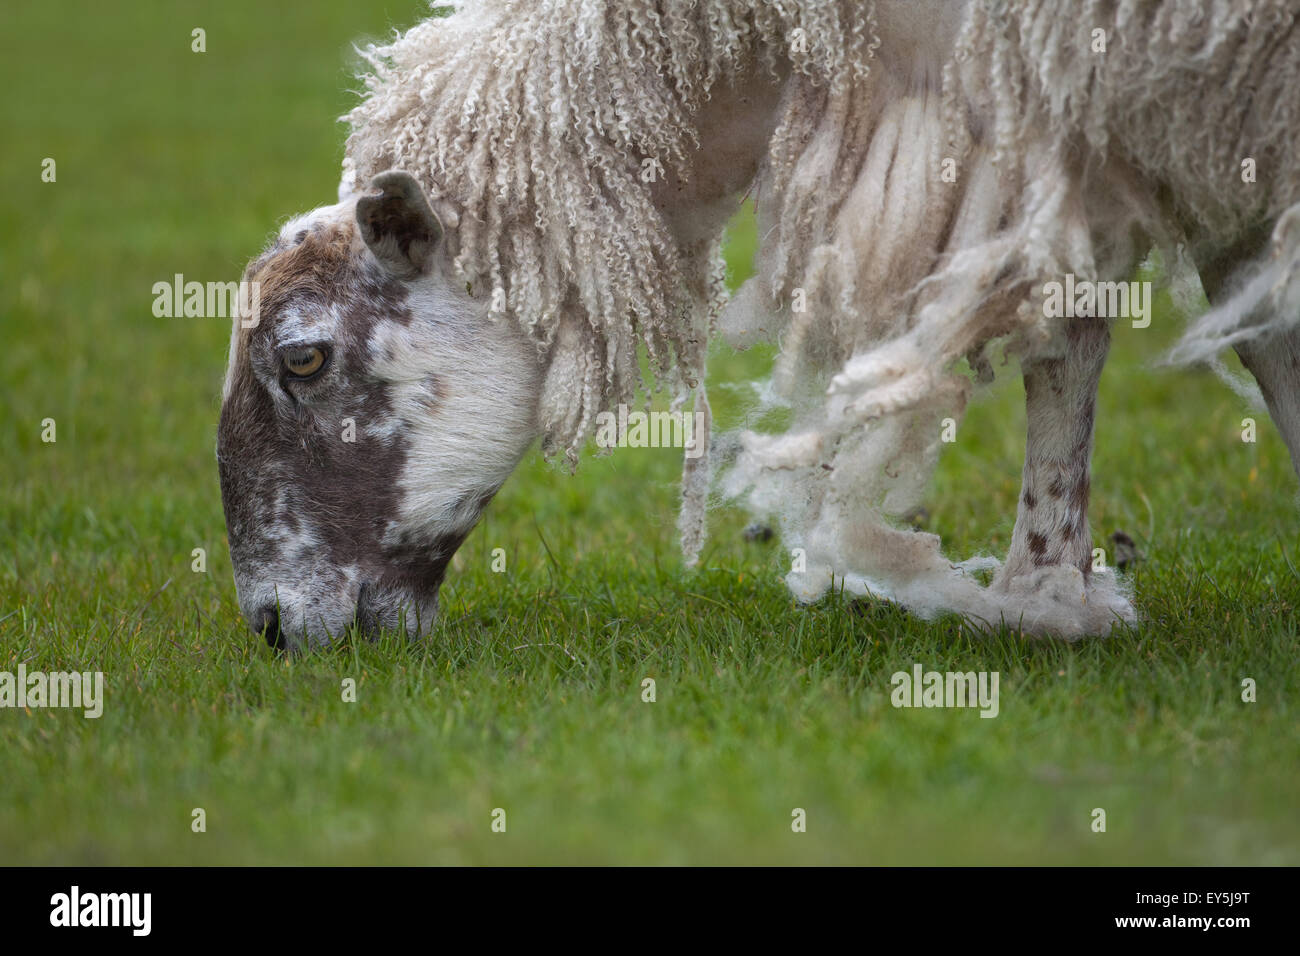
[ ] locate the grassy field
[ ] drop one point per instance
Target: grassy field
(528, 696)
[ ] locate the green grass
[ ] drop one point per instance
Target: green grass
(528, 697)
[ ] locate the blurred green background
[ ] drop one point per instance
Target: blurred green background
(528, 697)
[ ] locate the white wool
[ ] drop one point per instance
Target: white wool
(534, 119)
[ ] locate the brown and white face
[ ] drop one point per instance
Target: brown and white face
(369, 415)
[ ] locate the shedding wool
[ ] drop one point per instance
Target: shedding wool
(887, 283)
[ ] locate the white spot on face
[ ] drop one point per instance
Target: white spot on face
(383, 428)
(308, 326)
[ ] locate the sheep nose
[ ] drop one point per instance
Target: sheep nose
(267, 623)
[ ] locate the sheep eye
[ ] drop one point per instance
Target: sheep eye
(304, 362)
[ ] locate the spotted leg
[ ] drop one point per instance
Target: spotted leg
(1061, 402)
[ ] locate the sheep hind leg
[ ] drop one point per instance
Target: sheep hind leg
(1048, 583)
(1274, 360)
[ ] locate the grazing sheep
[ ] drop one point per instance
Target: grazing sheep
(533, 191)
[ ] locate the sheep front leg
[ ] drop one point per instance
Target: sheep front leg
(1061, 402)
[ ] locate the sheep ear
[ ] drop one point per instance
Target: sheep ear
(398, 224)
